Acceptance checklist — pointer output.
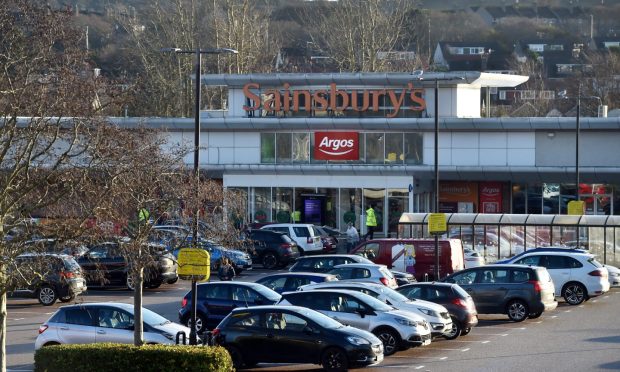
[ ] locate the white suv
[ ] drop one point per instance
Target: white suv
(577, 276)
(307, 239)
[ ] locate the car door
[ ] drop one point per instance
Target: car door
(255, 341)
(491, 290)
(349, 311)
(114, 325)
(217, 302)
(287, 333)
(78, 326)
(560, 270)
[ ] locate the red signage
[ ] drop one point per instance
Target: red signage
(490, 197)
(336, 145)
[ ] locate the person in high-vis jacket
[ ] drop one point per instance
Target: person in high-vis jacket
(371, 222)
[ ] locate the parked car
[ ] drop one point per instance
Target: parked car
(472, 258)
(105, 265)
(324, 263)
(306, 237)
(416, 256)
(286, 282)
(459, 303)
(436, 315)
(577, 276)
(516, 290)
(614, 275)
(217, 299)
(365, 272)
(541, 249)
(272, 249)
(403, 278)
(341, 238)
(395, 328)
(48, 277)
(330, 243)
(104, 322)
(292, 334)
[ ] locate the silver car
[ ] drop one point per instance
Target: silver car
(437, 315)
(104, 322)
(395, 328)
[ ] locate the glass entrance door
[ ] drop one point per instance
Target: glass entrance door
(597, 204)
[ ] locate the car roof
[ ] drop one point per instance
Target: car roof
(268, 307)
(327, 290)
(429, 284)
(359, 264)
(498, 266)
(551, 253)
(339, 283)
(330, 256)
(120, 305)
(299, 273)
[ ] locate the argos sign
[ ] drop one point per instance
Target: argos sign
(336, 145)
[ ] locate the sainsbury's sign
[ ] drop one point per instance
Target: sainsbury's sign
(359, 100)
(336, 145)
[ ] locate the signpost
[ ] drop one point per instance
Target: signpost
(576, 207)
(437, 225)
(194, 264)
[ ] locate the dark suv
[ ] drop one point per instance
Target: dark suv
(49, 277)
(271, 248)
(517, 290)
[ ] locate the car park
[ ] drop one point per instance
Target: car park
(286, 282)
(516, 290)
(577, 276)
(395, 328)
(459, 303)
(435, 314)
(306, 237)
(324, 263)
(329, 242)
(48, 277)
(365, 272)
(292, 334)
(272, 249)
(104, 322)
(215, 300)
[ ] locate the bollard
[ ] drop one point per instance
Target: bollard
(183, 335)
(207, 338)
(426, 277)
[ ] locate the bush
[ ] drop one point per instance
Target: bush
(122, 357)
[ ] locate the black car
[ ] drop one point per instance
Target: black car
(105, 265)
(403, 278)
(459, 303)
(292, 334)
(324, 263)
(517, 290)
(271, 248)
(217, 299)
(48, 277)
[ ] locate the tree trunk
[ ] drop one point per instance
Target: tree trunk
(3, 331)
(138, 333)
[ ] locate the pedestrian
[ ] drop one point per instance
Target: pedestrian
(226, 270)
(371, 222)
(353, 237)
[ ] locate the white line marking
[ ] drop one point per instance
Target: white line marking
(485, 342)
(495, 334)
(19, 318)
(419, 367)
(441, 348)
(469, 341)
(443, 358)
(538, 322)
(466, 349)
(554, 316)
(567, 311)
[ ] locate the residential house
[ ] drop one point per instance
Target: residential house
(471, 56)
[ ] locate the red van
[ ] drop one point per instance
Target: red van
(415, 256)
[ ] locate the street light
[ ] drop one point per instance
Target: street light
(198, 52)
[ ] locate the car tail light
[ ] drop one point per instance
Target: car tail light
(286, 247)
(537, 286)
(66, 275)
(461, 303)
(598, 272)
(184, 302)
(310, 241)
(43, 328)
(385, 281)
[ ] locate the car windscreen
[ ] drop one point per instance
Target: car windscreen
(393, 295)
(363, 259)
(268, 293)
(320, 319)
(152, 318)
(376, 304)
(71, 264)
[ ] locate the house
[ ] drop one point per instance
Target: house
(471, 56)
(560, 58)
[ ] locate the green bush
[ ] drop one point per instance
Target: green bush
(121, 357)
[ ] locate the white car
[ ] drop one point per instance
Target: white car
(307, 239)
(436, 315)
(577, 275)
(104, 322)
(356, 272)
(614, 275)
(473, 258)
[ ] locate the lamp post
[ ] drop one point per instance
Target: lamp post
(198, 52)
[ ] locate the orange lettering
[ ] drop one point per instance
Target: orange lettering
(307, 100)
(365, 101)
(417, 96)
(251, 96)
(376, 94)
(334, 93)
(320, 101)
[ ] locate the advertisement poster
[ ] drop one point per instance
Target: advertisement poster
(410, 258)
(312, 211)
(490, 197)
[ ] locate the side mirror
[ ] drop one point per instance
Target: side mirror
(130, 327)
(361, 313)
(309, 330)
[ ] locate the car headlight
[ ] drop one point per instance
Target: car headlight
(428, 312)
(614, 274)
(358, 340)
(406, 322)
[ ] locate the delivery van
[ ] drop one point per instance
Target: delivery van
(415, 256)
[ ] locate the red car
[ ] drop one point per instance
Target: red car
(329, 242)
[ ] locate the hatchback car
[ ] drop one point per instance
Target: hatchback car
(459, 303)
(217, 299)
(326, 262)
(365, 272)
(577, 276)
(517, 290)
(292, 334)
(395, 328)
(272, 249)
(104, 322)
(330, 244)
(286, 282)
(307, 239)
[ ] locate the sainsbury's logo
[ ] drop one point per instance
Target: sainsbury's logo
(336, 145)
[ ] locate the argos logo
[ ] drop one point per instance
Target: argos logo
(336, 145)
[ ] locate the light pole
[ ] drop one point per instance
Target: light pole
(198, 52)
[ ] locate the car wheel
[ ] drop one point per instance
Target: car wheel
(518, 311)
(235, 355)
(390, 339)
(465, 331)
(455, 331)
(535, 315)
(47, 295)
(301, 252)
(67, 299)
(131, 284)
(574, 293)
(270, 261)
(200, 323)
(334, 359)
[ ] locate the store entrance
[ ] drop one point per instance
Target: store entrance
(312, 208)
(597, 204)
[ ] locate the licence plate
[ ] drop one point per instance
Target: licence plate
(426, 342)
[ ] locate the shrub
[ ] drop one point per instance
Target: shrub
(122, 357)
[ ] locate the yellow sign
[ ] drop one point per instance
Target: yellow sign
(437, 223)
(575, 207)
(194, 263)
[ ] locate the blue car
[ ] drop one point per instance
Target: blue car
(240, 260)
(287, 282)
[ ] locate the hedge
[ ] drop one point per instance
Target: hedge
(123, 357)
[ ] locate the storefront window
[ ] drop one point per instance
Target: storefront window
(534, 199)
(413, 148)
(239, 196)
(282, 203)
(262, 205)
(303, 207)
(394, 148)
(283, 148)
(375, 147)
(518, 198)
(350, 207)
(375, 197)
(551, 198)
(330, 213)
(398, 201)
(301, 147)
(267, 147)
